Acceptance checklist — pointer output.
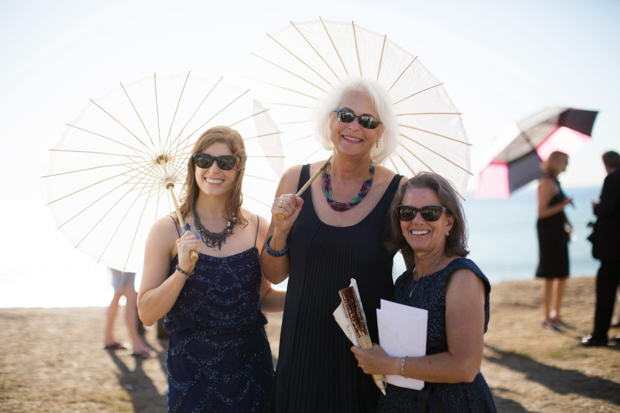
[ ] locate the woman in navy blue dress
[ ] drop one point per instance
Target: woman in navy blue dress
(219, 359)
(428, 225)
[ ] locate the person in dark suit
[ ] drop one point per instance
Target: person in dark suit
(606, 248)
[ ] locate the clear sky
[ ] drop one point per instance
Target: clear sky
(500, 61)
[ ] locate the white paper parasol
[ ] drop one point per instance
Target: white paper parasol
(296, 67)
(107, 176)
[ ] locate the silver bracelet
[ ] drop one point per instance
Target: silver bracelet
(402, 367)
(188, 274)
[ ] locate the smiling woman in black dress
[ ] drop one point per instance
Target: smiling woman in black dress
(334, 232)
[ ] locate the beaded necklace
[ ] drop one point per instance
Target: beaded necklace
(214, 239)
(345, 206)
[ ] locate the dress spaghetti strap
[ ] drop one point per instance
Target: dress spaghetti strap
(257, 225)
(175, 225)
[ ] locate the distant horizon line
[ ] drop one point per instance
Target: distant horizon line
(470, 190)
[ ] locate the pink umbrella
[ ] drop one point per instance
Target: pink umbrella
(521, 148)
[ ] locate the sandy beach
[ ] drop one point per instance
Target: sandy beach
(51, 359)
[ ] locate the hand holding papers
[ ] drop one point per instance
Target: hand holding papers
(351, 318)
(402, 332)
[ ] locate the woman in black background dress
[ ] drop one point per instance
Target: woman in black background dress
(553, 235)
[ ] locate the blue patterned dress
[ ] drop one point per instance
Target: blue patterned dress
(430, 294)
(219, 358)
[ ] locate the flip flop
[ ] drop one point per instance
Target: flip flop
(144, 355)
(114, 346)
(553, 326)
(561, 323)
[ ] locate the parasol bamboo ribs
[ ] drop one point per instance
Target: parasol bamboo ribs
(355, 314)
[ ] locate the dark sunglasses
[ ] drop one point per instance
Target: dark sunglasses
(430, 213)
(366, 121)
(224, 162)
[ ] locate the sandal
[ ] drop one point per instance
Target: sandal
(146, 354)
(559, 322)
(550, 324)
(114, 346)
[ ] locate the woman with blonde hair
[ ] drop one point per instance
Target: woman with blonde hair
(219, 358)
(553, 235)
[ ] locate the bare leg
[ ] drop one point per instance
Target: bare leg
(546, 296)
(560, 285)
(617, 322)
(131, 317)
(109, 333)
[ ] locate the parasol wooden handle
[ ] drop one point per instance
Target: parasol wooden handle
(379, 379)
(303, 188)
(193, 255)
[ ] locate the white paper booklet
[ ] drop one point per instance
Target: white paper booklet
(402, 332)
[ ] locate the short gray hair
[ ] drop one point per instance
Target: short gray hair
(382, 103)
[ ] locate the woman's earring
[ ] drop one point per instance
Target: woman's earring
(377, 144)
(447, 233)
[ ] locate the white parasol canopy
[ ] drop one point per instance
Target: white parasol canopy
(107, 176)
(299, 65)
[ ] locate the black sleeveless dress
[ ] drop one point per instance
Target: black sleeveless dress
(430, 294)
(316, 371)
(553, 243)
(219, 359)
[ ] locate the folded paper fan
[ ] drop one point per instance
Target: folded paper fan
(355, 314)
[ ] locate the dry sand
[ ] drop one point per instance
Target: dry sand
(51, 360)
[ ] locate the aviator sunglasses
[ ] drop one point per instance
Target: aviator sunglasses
(430, 213)
(224, 162)
(365, 121)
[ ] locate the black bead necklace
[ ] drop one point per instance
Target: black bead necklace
(214, 239)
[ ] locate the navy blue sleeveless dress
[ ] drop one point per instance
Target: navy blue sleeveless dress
(317, 372)
(430, 294)
(553, 242)
(219, 359)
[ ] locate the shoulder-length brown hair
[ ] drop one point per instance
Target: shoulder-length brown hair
(233, 139)
(456, 242)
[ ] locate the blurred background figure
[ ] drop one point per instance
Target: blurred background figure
(123, 283)
(554, 232)
(606, 248)
(617, 322)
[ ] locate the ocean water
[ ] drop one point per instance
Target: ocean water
(41, 269)
(503, 239)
